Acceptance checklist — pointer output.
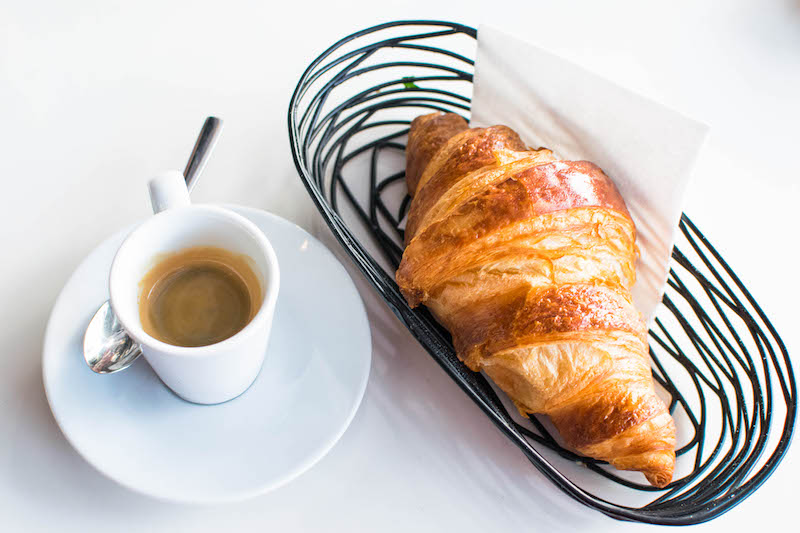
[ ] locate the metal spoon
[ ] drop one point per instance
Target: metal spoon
(106, 346)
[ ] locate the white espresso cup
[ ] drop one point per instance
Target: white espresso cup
(204, 374)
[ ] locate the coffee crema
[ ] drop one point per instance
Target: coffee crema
(199, 296)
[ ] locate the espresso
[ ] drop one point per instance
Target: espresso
(199, 296)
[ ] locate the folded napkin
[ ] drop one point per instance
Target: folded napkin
(647, 149)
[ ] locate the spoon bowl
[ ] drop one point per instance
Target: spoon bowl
(107, 348)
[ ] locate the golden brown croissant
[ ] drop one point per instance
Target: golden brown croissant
(529, 261)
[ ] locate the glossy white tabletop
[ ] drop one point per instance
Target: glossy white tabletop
(96, 97)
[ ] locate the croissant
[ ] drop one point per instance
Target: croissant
(528, 261)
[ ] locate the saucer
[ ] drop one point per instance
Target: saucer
(133, 429)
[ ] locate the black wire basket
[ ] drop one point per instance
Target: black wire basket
(718, 360)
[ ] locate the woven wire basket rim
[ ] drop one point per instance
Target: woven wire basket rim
(679, 511)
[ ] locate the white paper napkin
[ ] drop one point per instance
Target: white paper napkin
(647, 149)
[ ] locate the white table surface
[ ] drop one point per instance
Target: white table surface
(97, 96)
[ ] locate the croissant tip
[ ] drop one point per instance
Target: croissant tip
(659, 479)
(413, 296)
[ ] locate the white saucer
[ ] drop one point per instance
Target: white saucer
(136, 431)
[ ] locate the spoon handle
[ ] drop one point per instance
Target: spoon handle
(202, 148)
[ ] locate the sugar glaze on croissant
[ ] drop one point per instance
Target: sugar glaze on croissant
(528, 261)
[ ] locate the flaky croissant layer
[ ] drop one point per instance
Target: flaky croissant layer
(529, 261)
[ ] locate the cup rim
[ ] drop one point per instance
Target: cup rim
(262, 316)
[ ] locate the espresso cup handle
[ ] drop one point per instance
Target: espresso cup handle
(167, 191)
